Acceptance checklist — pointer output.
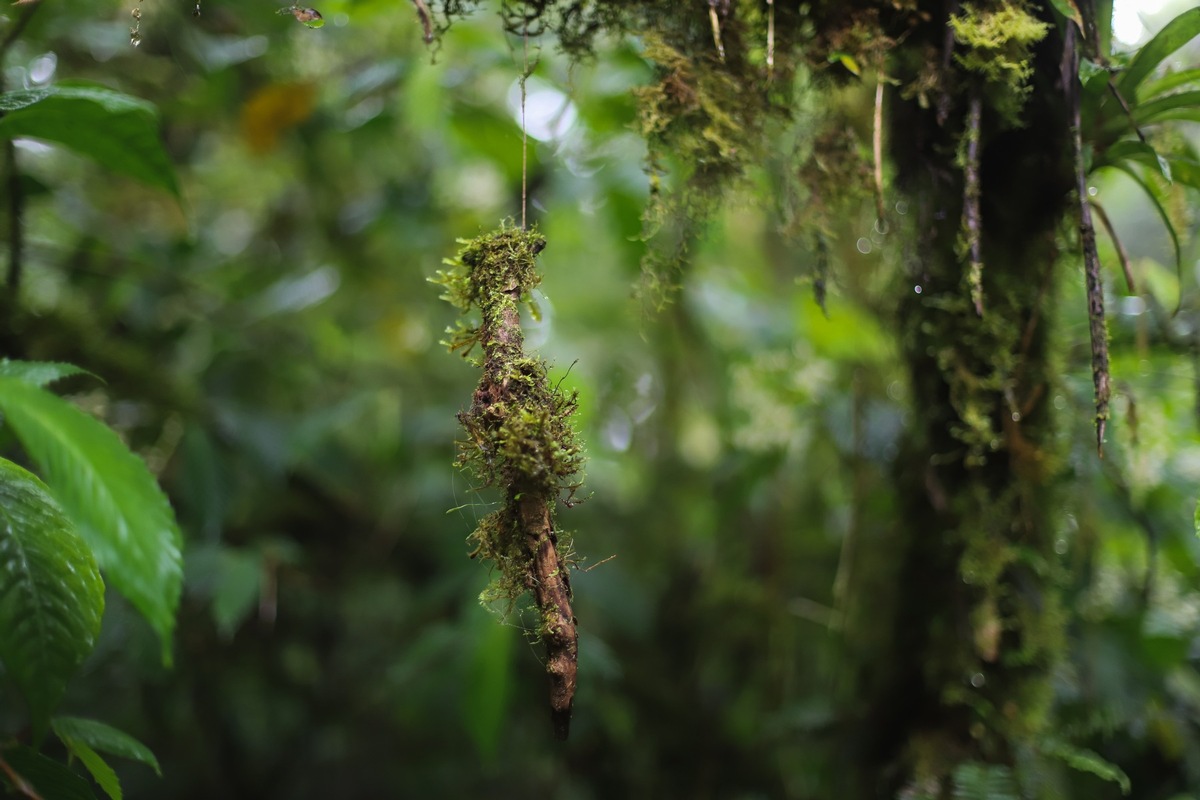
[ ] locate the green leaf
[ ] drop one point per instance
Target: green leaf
(1085, 760)
(1172, 80)
(105, 739)
(1196, 518)
(38, 373)
(101, 772)
(1183, 106)
(110, 495)
(116, 130)
(51, 595)
(1185, 171)
(1137, 151)
(1164, 108)
(52, 780)
(1157, 205)
(488, 686)
(1173, 36)
(1093, 76)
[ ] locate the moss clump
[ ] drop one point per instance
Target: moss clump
(519, 434)
(485, 273)
(997, 46)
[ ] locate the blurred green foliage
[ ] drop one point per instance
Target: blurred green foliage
(269, 343)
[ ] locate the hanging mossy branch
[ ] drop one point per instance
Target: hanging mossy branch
(519, 439)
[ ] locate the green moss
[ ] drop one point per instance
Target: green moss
(996, 45)
(519, 432)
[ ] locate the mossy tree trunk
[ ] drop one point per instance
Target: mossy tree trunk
(977, 626)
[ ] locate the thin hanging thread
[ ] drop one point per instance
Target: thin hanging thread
(524, 131)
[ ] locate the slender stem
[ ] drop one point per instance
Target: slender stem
(524, 129)
(1091, 258)
(877, 149)
(770, 37)
(716, 29)
(16, 211)
(972, 218)
(1122, 254)
(1112, 87)
(426, 19)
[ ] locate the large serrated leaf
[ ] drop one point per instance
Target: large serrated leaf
(104, 738)
(52, 780)
(107, 491)
(116, 130)
(51, 595)
(99, 769)
(1174, 35)
(39, 373)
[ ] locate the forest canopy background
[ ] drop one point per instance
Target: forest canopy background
(269, 342)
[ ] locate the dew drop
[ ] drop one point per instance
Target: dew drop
(977, 680)
(918, 289)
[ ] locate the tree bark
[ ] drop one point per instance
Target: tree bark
(963, 669)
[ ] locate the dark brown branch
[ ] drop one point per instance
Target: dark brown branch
(1087, 235)
(551, 585)
(1112, 87)
(972, 221)
(426, 19)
